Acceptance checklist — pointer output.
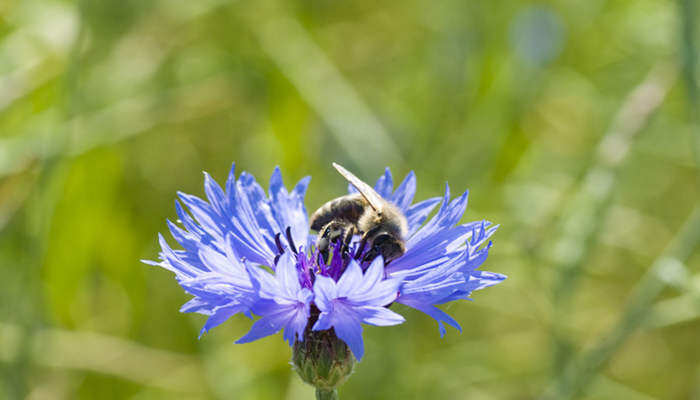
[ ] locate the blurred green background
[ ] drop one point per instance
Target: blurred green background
(573, 123)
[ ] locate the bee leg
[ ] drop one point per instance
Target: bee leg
(368, 237)
(361, 247)
(371, 254)
(348, 234)
(370, 234)
(333, 232)
(387, 246)
(323, 243)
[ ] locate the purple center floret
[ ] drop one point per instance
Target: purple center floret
(312, 264)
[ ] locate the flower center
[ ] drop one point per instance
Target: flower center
(331, 263)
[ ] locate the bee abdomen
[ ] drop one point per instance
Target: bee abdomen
(347, 208)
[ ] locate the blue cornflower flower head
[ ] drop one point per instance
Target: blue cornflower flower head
(250, 252)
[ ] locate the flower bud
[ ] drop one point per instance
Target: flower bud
(322, 360)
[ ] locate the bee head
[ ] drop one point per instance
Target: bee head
(389, 246)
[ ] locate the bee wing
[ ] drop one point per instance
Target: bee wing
(373, 198)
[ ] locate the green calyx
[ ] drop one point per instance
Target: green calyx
(322, 360)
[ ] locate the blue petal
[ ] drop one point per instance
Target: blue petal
(287, 276)
(417, 213)
(173, 263)
(373, 275)
(433, 247)
(203, 213)
(296, 326)
(324, 322)
(283, 287)
(486, 279)
(351, 280)
(380, 316)
(374, 290)
(265, 282)
(215, 261)
(252, 222)
(220, 314)
(439, 315)
(210, 283)
(288, 208)
(403, 196)
(197, 305)
(268, 325)
(449, 214)
(325, 291)
(231, 187)
(190, 224)
(215, 195)
(385, 184)
(253, 198)
(349, 331)
(186, 239)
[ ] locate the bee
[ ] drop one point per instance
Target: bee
(382, 225)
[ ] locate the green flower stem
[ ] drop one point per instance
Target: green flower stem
(326, 394)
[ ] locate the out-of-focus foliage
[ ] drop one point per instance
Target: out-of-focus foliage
(573, 124)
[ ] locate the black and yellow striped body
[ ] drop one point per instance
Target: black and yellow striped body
(348, 208)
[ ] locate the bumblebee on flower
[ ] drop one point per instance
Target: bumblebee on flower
(327, 285)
